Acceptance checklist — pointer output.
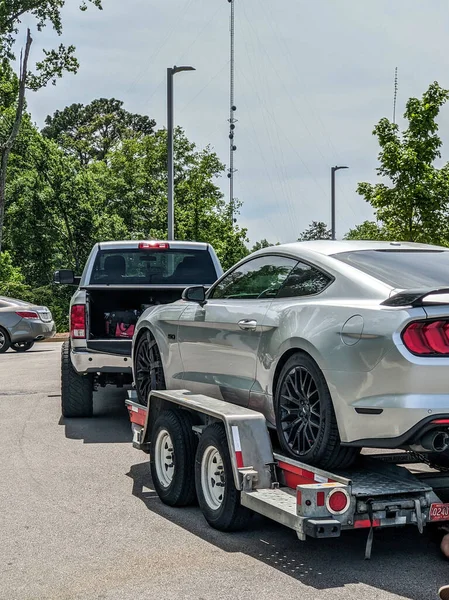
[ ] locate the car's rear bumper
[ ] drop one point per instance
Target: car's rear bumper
(28, 330)
(87, 361)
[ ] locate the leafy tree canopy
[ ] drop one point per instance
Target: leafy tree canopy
(412, 201)
(317, 230)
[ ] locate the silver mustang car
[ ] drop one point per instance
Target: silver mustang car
(341, 345)
(22, 324)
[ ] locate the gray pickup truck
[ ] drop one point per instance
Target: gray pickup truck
(121, 280)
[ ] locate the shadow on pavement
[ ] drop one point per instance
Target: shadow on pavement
(110, 423)
(403, 562)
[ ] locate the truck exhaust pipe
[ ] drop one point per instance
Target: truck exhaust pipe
(436, 441)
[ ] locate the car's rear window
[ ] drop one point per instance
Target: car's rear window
(158, 267)
(403, 269)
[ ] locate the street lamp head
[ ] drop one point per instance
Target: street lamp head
(176, 69)
(338, 168)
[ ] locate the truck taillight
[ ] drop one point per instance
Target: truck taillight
(78, 321)
(154, 246)
(27, 314)
(424, 338)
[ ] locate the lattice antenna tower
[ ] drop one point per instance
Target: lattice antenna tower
(395, 94)
(232, 109)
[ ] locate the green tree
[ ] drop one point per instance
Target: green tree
(317, 230)
(415, 206)
(368, 230)
(263, 243)
(91, 132)
(51, 66)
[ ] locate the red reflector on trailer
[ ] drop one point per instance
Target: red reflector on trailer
(154, 246)
(298, 498)
(320, 499)
(365, 523)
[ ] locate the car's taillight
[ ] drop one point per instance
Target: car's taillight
(423, 338)
(338, 501)
(78, 321)
(154, 246)
(27, 314)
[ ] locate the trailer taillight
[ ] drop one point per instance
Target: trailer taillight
(338, 501)
(424, 338)
(78, 321)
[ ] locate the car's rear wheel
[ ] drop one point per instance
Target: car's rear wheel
(4, 340)
(148, 370)
(22, 346)
(76, 390)
(305, 418)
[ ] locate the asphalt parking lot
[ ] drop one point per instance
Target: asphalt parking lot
(79, 519)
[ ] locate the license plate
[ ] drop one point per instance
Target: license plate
(439, 512)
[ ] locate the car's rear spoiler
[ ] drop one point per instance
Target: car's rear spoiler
(412, 298)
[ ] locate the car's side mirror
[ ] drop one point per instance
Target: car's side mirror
(66, 277)
(196, 293)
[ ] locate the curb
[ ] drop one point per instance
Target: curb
(59, 337)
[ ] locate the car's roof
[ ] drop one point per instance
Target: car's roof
(130, 244)
(329, 247)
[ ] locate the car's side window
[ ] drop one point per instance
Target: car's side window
(260, 277)
(304, 280)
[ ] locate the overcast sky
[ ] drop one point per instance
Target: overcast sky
(312, 79)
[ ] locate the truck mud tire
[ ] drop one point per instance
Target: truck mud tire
(218, 497)
(305, 419)
(148, 370)
(4, 340)
(172, 458)
(76, 390)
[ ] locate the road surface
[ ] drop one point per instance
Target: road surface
(79, 519)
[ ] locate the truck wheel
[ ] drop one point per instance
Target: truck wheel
(76, 390)
(172, 458)
(148, 370)
(305, 418)
(218, 497)
(4, 340)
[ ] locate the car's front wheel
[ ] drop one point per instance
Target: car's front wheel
(305, 418)
(22, 346)
(148, 370)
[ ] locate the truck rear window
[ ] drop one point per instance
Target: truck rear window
(153, 267)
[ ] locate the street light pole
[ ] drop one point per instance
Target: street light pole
(333, 170)
(171, 71)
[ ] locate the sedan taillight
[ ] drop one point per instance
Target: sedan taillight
(78, 321)
(424, 338)
(27, 314)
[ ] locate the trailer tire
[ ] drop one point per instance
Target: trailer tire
(76, 390)
(305, 418)
(223, 511)
(172, 458)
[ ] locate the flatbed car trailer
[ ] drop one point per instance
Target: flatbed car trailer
(221, 454)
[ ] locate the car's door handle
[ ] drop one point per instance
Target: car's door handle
(248, 324)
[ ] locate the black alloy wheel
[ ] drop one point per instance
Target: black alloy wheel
(148, 370)
(299, 406)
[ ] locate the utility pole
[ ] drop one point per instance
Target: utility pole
(232, 109)
(171, 71)
(333, 171)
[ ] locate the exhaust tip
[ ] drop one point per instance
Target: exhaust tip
(440, 441)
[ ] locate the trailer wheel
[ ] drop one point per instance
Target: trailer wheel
(172, 458)
(76, 390)
(218, 497)
(305, 417)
